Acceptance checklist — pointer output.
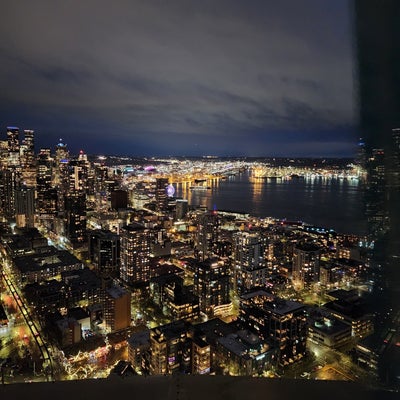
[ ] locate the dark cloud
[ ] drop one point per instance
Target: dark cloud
(170, 76)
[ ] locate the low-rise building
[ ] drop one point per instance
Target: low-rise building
(329, 332)
(40, 267)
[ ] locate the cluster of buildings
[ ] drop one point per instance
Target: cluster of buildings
(81, 251)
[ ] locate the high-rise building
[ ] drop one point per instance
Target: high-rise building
(249, 264)
(60, 174)
(3, 153)
(28, 145)
(104, 251)
(25, 207)
(181, 208)
(46, 193)
(208, 232)
(75, 217)
(9, 182)
(135, 253)
(375, 195)
(161, 194)
(28, 161)
(212, 285)
(13, 146)
(306, 264)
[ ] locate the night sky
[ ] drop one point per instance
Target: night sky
(181, 77)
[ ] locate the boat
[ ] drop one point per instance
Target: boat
(199, 187)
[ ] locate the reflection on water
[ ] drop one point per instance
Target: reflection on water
(331, 203)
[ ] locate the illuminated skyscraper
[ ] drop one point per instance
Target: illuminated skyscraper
(9, 182)
(306, 264)
(135, 253)
(249, 264)
(375, 195)
(13, 145)
(211, 285)
(28, 162)
(46, 193)
(208, 232)
(161, 194)
(60, 173)
(75, 217)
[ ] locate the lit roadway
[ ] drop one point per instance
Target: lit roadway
(44, 351)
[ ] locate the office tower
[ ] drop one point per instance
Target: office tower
(60, 173)
(28, 147)
(249, 264)
(9, 182)
(208, 232)
(181, 208)
(3, 153)
(161, 194)
(11, 174)
(75, 218)
(375, 195)
(46, 194)
(27, 159)
(25, 207)
(211, 285)
(117, 308)
(306, 264)
(135, 253)
(13, 146)
(104, 251)
(100, 177)
(78, 171)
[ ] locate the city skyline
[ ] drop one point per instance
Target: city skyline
(226, 79)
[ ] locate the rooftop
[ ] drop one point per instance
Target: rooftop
(282, 307)
(39, 262)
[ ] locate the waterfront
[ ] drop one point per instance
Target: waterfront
(331, 203)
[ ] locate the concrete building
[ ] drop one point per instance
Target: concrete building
(117, 308)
